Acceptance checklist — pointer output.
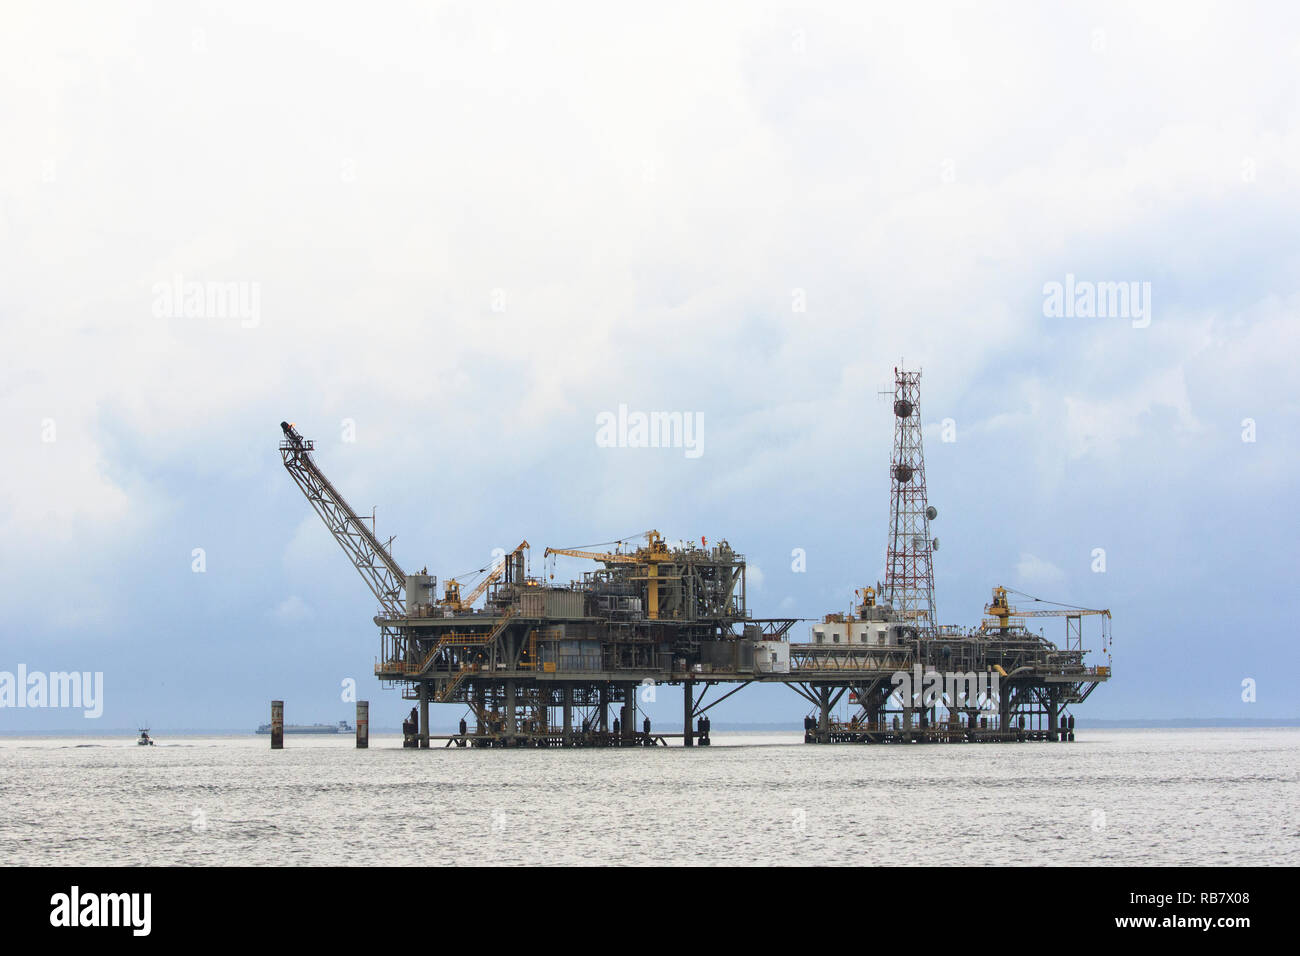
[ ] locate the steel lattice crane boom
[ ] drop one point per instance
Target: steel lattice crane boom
(382, 574)
(607, 556)
(657, 551)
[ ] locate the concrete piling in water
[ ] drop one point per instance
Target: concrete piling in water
(277, 725)
(363, 724)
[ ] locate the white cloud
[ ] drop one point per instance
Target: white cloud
(1105, 425)
(292, 610)
(1037, 573)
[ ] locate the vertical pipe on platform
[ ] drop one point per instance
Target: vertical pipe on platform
(688, 713)
(277, 725)
(480, 696)
(1053, 713)
(363, 724)
(424, 716)
(568, 715)
(604, 708)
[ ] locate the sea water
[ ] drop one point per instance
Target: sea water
(1204, 796)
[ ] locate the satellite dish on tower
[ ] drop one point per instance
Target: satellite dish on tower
(931, 512)
(935, 544)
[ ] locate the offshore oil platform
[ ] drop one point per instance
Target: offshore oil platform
(544, 665)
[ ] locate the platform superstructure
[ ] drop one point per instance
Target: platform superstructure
(540, 664)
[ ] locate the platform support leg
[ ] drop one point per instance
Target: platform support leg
(568, 715)
(510, 714)
(424, 716)
(688, 707)
(629, 713)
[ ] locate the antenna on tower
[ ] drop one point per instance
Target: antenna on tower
(909, 556)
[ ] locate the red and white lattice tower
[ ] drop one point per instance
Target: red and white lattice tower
(909, 559)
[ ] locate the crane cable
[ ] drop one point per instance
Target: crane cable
(597, 544)
(1106, 638)
(1070, 607)
(466, 574)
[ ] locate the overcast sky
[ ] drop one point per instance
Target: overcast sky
(460, 232)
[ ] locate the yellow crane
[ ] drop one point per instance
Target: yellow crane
(866, 600)
(651, 556)
(1001, 612)
(451, 590)
(1002, 616)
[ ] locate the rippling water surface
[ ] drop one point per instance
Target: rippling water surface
(1114, 796)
